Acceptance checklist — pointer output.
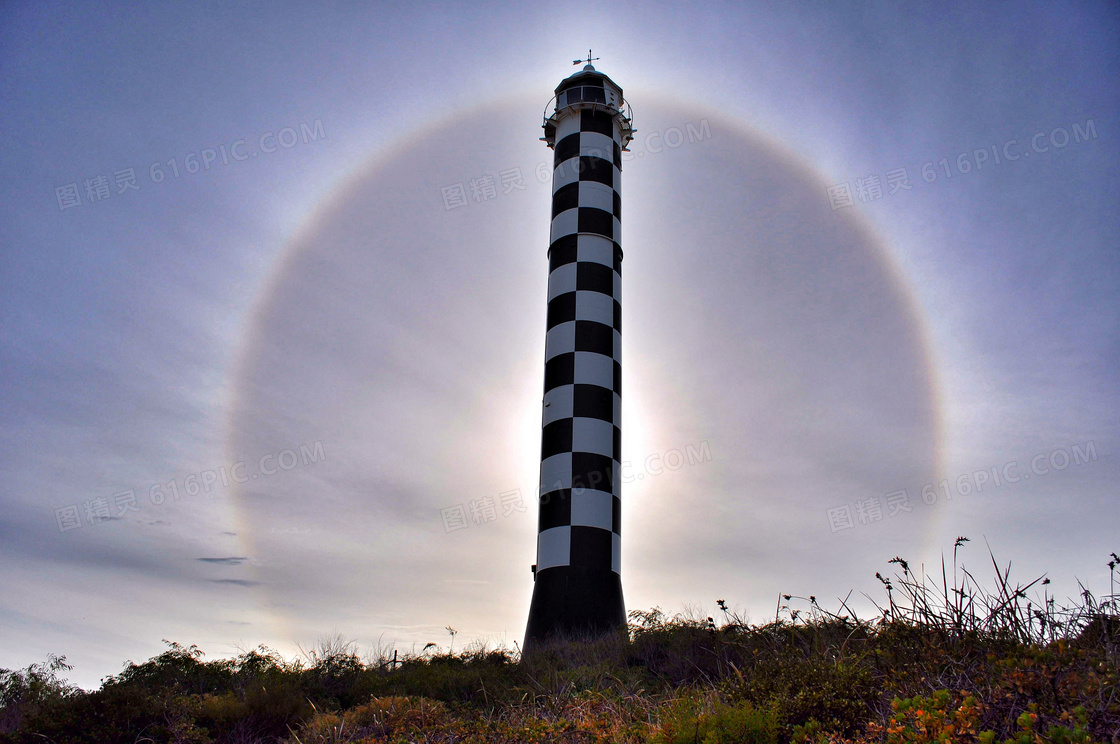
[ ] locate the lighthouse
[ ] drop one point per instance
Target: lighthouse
(577, 589)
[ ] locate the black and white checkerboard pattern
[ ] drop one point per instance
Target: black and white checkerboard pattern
(581, 437)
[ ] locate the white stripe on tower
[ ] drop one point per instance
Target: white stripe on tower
(577, 587)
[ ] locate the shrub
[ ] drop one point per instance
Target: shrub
(28, 693)
(380, 718)
(936, 718)
(692, 720)
(836, 693)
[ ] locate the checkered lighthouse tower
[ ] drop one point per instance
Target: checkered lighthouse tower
(577, 583)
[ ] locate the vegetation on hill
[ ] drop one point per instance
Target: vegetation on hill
(944, 661)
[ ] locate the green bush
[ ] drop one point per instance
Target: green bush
(837, 693)
(692, 720)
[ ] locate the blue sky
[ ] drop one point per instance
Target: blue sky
(869, 250)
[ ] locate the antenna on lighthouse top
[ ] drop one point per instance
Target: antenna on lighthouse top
(589, 60)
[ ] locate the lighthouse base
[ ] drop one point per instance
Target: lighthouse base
(574, 602)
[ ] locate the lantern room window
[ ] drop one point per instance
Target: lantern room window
(589, 93)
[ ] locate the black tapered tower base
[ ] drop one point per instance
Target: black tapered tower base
(575, 602)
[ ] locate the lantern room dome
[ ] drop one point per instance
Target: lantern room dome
(587, 88)
(587, 76)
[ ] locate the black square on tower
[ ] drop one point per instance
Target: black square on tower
(594, 277)
(596, 121)
(598, 221)
(556, 438)
(560, 370)
(561, 309)
(566, 148)
(596, 337)
(593, 401)
(563, 251)
(596, 169)
(591, 546)
(565, 198)
(556, 509)
(592, 471)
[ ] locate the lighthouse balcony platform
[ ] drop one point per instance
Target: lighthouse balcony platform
(574, 100)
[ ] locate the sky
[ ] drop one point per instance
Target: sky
(272, 311)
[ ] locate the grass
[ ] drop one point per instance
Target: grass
(946, 659)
